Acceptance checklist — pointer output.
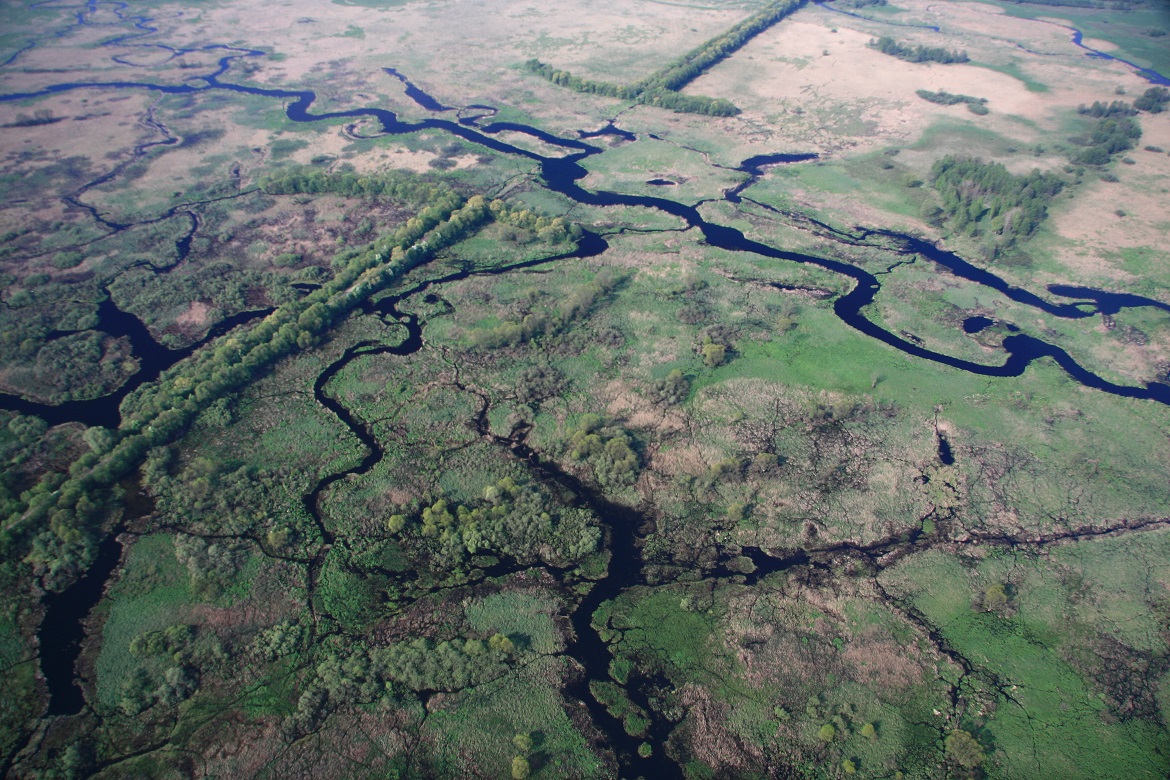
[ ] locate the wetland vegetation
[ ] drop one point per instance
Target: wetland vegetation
(434, 421)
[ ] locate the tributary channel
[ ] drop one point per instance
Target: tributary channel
(560, 174)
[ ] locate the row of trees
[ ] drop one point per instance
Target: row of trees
(660, 98)
(158, 413)
(979, 197)
(691, 65)
(887, 45)
(661, 88)
(943, 98)
(1100, 110)
(1153, 100)
(397, 185)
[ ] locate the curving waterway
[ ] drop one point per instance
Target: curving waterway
(560, 174)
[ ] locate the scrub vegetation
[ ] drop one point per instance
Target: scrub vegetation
(507, 435)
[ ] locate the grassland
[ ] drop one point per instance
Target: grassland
(821, 556)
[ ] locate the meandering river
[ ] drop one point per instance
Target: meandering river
(561, 173)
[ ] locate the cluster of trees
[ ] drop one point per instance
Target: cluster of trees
(860, 3)
(980, 197)
(551, 229)
(943, 98)
(69, 505)
(577, 304)
(168, 671)
(672, 389)
(355, 677)
(887, 45)
(1116, 130)
(1110, 136)
(426, 665)
(607, 448)
(210, 563)
(1153, 100)
(397, 185)
(142, 690)
(519, 521)
(42, 116)
(714, 345)
(1100, 110)
(661, 88)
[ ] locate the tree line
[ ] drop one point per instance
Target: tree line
(943, 98)
(984, 198)
(887, 45)
(56, 518)
(661, 87)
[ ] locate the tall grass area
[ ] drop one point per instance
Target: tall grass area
(1062, 709)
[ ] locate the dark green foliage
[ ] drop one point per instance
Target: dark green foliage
(65, 260)
(539, 383)
(1109, 137)
(619, 705)
(943, 98)
(159, 412)
(607, 448)
(963, 749)
(396, 185)
(519, 521)
(660, 89)
(1153, 100)
(983, 198)
(354, 598)
(887, 45)
(42, 116)
(672, 389)
(1099, 109)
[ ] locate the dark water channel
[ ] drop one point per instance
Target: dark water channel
(63, 630)
(623, 525)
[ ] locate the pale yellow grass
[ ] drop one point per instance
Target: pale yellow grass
(1091, 222)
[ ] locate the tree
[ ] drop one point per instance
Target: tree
(995, 597)
(520, 768)
(868, 731)
(502, 644)
(963, 749)
(713, 354)
(827, 733)
(523, 743)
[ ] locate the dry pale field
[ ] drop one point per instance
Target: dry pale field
(809, 84)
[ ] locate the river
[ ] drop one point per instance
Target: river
(623, 525)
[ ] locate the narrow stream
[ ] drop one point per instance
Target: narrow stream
(622, 524)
